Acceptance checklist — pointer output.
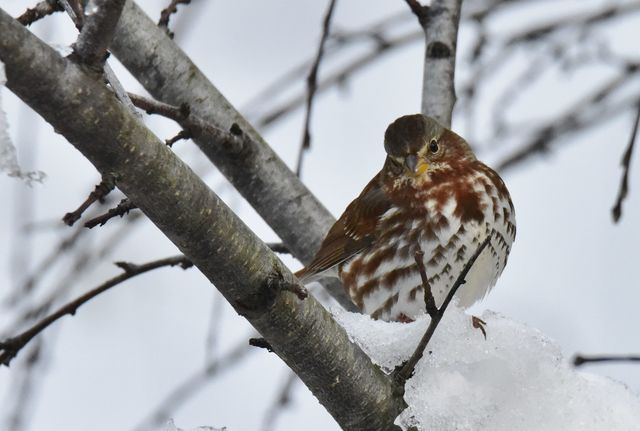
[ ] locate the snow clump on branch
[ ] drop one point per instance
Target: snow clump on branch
(515, 380)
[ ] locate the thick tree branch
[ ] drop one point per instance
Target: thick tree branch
(259, 175)
(440, 25)
(97, 32)
(357, 393)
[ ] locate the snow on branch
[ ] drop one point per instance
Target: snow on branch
(8, 154)
(516, 379)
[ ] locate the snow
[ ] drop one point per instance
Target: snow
(516, 379)
(8, 155)
(171, 426)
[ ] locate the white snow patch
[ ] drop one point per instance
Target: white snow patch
(515, 380)
(171, 426)
(8, 155)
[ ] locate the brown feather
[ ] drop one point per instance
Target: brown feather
(354, 231)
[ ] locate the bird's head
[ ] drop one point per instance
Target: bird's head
(418, 145)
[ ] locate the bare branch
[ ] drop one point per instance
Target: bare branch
(579, 360)
(282, 400)
(192, 384)
(421, 12)
(95, 37)
(10, 347)
(166, 13)
(75, 10)
(441, 34)
(42, 268)
(182, 134)
(123, 208)
(101, 190)
(626, 162)
(338, 77)
(312, 86)
(42, 9)
(406, 371)
(260, 176)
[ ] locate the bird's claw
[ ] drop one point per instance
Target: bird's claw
(478, 323)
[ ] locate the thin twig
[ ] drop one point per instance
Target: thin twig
(312, 86)
(232, 140)
(183, 134)
(429, 301)
(10, 347)
(107, 184)
(75, 10)
(340, 76)
(97, 32)
(39, 11)
(166, 13)
(278, 247)
(191, 385)
(282, 400)
(260, 342)
(579, 360)
(407, 369)
(616, 211)
(120, 210)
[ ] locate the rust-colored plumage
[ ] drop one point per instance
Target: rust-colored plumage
(431, 193)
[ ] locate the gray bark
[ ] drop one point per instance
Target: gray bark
(441, 35)
(262, 178)
(356, 392)
(97, 32)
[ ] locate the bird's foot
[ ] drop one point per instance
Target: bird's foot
(404, 318)
(478, 323)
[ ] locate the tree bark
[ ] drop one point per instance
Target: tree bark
(441, 35)
(263, 179)
(77, 104)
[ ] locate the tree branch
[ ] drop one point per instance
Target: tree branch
(406, 371)
(355, 392)
(626, 162)
(123, 208)
(312, 86)
(97, 32)
(101, 190)
(260, 176)
(440, 25)
(42, 9)
(166, 13)
(10, 347)
(580, 360)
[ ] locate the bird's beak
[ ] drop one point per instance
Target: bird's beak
(415, 165)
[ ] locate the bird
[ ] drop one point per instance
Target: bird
(434, 196)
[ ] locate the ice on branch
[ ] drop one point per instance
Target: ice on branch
(515, 380)
(8, 156)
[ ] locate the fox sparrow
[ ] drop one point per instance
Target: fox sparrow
(432, 194)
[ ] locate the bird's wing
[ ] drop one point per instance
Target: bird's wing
(355, 230)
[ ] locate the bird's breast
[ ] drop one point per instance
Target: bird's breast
(448, 226)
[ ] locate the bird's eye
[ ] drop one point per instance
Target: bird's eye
(433, 146)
